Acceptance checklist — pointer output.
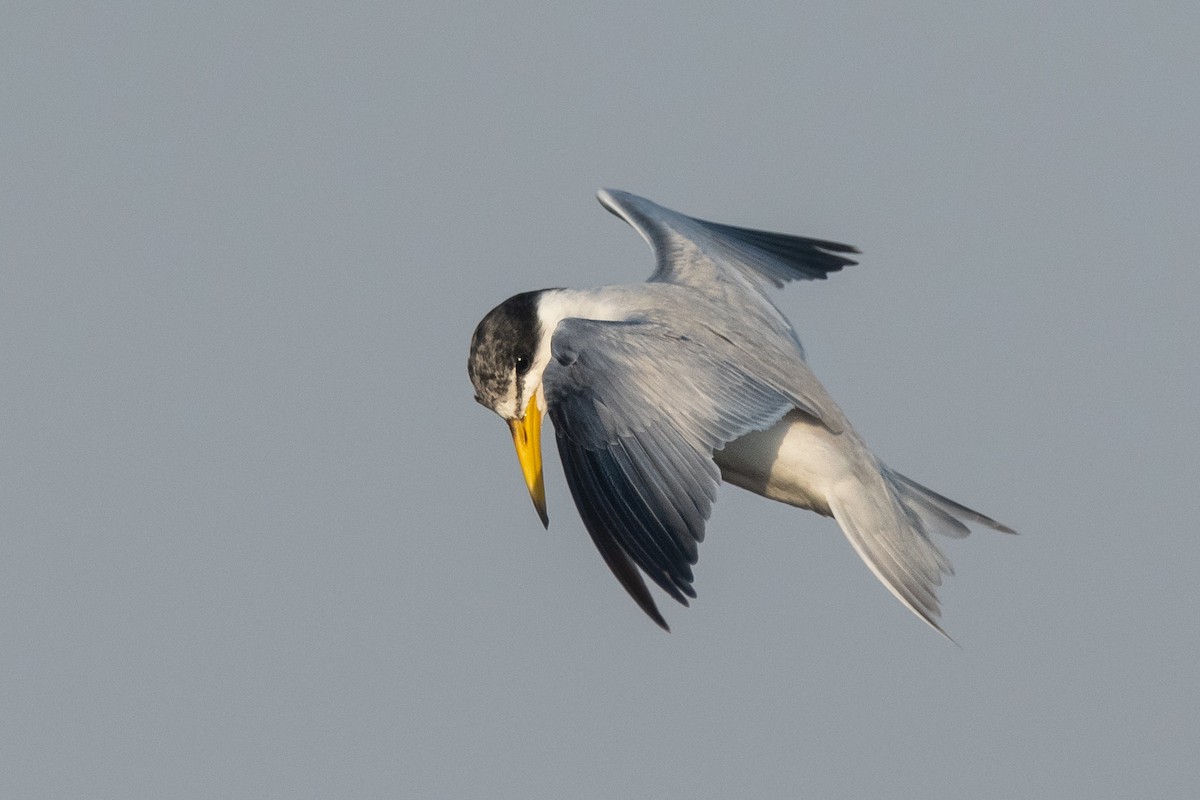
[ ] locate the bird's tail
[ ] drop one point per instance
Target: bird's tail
(938, 513)
(888, 519)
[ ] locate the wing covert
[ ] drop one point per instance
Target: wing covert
(695, 251)
(637, 451)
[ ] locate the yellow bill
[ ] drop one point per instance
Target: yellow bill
(527, 437)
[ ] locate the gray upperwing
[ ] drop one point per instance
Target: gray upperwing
(690, 250)
(637, 451)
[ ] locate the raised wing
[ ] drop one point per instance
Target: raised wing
(639, 410)
(694, 251)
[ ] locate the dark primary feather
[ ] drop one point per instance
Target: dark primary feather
(796, 257)
(637, 452)
(696, 251)
(618, 562)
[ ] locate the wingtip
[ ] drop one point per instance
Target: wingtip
(659, 620)
(649, 607)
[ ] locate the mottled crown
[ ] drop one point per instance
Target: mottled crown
(503, 347)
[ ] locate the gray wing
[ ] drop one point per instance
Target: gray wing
(638, 411)
(695, 251)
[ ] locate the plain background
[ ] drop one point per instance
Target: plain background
(259, 542)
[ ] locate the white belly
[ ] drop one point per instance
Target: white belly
(795, 462)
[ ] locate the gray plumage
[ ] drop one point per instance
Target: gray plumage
(660, 391)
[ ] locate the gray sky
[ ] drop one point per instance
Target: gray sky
(260, 542)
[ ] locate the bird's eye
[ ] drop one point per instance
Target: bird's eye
(522, 363)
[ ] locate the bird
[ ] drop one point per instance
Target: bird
(661, 391)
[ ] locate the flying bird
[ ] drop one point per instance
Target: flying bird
(659, 391)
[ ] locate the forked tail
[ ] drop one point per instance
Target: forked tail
(888, 519)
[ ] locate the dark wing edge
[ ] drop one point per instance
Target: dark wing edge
(640, 467)
(775, 257)
(620, 564)
(794, 257)
(644, 501)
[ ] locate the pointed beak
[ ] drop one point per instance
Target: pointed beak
(527, 437)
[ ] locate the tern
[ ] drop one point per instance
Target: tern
(659, 391)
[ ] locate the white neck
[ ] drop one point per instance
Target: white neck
(555, 305)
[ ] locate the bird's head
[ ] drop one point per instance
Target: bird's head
(506, 363)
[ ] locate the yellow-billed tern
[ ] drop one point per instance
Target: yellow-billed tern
(659, 391)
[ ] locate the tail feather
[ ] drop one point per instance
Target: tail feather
(892, 544)
(888, 519)
(938, 512)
